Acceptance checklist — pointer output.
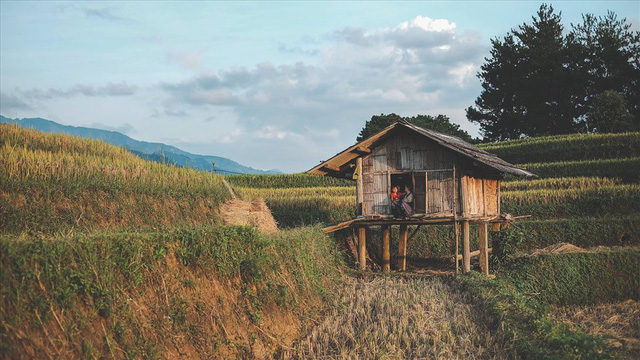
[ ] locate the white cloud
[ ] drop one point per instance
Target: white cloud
(422, 66)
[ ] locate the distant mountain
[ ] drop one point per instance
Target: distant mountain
(146, 150)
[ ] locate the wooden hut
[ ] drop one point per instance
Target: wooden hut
(453, 182)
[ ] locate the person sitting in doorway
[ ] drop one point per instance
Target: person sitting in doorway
(405, 200)
(395, 202)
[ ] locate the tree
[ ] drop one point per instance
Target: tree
(609, 113)
(440, 123)
(607, 58)
(527, 83)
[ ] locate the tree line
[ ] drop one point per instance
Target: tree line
(540, 80)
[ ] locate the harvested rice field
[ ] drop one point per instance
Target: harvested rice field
(402, 318)
(618, 321)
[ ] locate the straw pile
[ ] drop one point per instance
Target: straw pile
(252, 213)
(559, 248)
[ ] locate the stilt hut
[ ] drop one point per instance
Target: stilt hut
(453, 182)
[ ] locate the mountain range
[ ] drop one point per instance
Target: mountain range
(147, 150)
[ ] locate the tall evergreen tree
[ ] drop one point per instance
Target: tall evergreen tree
(527, 82)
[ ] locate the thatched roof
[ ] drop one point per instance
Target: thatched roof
(341, 160)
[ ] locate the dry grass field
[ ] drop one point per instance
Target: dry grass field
(618, 321)
(402, 318)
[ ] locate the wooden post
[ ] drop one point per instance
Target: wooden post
(359, 188)
(456, 229)
(466, 258)
(402, 248)
(386, 257)
(362, 247)
(484, 247)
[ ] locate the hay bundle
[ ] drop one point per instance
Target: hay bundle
(559, 248)
(252, 213)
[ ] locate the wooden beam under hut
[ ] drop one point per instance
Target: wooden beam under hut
(475, 253)
(362, 247)
(402, 248)
(386, 252)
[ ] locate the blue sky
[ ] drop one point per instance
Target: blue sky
(268, 84)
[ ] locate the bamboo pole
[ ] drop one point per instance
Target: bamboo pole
(402, 248)
(386, 254)
(484, 247)
(466, 259)
(362, 247)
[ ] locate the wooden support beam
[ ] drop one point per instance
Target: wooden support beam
(386, 253)
(362, 247)
(414, 233)
(331, 167)
(466, 258)
(473, 254)
(483, 236)
(456, 229)
(361, 150)
(402, 248)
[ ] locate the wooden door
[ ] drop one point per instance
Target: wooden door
(420, 192)
(381, 202)
(440, 196)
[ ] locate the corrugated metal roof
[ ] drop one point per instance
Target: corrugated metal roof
(451, 142)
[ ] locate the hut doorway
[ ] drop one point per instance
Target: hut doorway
(416, 181)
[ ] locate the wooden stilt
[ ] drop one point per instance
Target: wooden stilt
(386, 254)
(466, 258)
(484, 247)
(402, 248)
(456, 229)
(362, 247)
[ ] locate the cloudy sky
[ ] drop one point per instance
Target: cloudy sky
(268, 84)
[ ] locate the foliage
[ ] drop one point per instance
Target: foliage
(578, 278)
(505, 244)
(567, 148)
(526, 83)
(440, 123)
(606, 58)
(541, 82)
(609, 114)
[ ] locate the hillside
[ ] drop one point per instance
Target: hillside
(53, 182)
(104, 254)
(147, 150)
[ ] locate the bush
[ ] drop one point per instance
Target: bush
(578, 278)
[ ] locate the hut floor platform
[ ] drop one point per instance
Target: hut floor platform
(419, 220)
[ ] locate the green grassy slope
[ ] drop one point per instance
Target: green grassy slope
(105, 255)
